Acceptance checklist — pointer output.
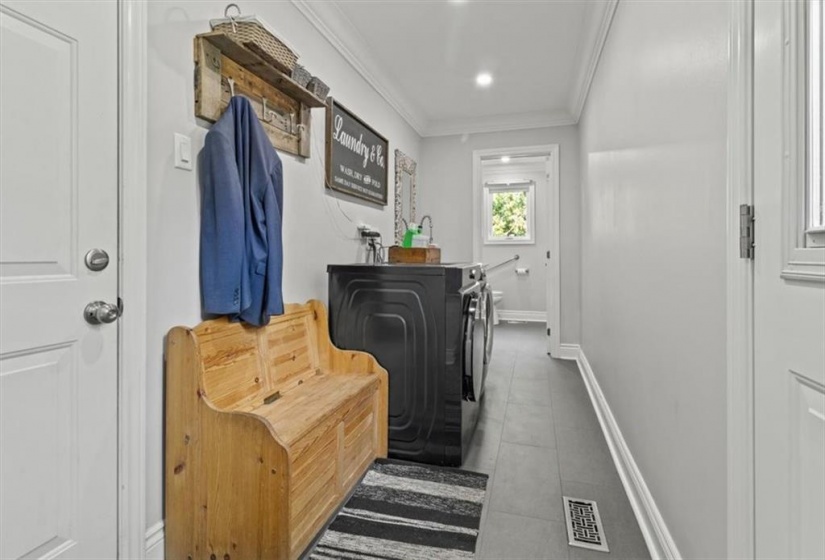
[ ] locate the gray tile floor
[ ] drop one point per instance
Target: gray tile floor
(539, 439)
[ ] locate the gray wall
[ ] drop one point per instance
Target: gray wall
(316, 232)
(653, 254)
(446, 193)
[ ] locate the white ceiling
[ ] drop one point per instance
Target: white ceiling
(423, 57)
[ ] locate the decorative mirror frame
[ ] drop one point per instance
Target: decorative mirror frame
(403, 164)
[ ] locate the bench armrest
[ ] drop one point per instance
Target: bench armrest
(223, 469)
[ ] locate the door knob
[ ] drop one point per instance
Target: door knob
(99, 312)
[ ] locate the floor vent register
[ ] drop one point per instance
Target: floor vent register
(584, 526)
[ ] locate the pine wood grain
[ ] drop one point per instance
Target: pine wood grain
(267, 430)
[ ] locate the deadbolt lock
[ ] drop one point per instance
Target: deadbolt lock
(97, 260)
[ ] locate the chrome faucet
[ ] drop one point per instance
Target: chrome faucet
(421, 227)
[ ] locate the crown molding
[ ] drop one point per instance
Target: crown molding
(499, 123)
(601, 19)
(334, 25)
(339, 31)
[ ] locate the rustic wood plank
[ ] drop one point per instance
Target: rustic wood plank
(414, 255)
(260, 67)
(288, 119)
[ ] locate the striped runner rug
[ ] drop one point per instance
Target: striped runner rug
(404, 511)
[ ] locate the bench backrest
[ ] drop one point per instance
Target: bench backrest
(242, 365)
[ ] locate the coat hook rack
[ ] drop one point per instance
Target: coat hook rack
(285, 105)
(267, 114)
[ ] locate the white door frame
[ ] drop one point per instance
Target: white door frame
(132, 131)
(553, 210)
(740, 327)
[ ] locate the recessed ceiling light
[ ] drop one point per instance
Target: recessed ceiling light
(505, 159)
(484, 79)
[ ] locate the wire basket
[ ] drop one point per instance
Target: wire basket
(301, 76)
(252, 33)
(318, 88)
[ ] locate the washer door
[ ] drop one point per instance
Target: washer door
(474, 348)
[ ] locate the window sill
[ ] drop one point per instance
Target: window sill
(815, 238)
(805, 264)
(509, 242)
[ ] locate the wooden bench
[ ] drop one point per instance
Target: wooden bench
(267, 430)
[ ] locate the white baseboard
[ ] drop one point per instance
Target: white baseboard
(654, 529)
(569, 351)
(154, 542)
(526, 316)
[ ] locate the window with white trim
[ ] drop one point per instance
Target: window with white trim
(510, 212)
(815, 149)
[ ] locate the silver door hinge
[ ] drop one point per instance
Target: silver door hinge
(746, 231)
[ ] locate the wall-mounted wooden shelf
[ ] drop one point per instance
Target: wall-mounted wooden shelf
(260, 67)
(286, 117)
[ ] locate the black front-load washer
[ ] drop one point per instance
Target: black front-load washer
(425, 324)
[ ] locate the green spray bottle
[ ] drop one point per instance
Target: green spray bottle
(412, 231)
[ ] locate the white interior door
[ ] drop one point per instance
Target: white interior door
(58, 199)
(553, 254)
(789, 298)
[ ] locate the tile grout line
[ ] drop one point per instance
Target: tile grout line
(558, 465)
(498, 451)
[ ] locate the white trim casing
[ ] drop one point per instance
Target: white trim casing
(740, 429)
(522, 316)
(553, 169)
(155, 542)
(657, 536)
(554, 202)
(799, 262)
(490, 189)
(132, 130)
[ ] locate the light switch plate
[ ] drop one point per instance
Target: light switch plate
(183, 152)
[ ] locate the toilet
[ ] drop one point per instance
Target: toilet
(497, 297)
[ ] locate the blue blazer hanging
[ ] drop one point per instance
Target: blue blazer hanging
(241, 219)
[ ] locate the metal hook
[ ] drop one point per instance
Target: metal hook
(231, 83)
(268, 114)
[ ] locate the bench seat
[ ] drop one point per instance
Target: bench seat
(267, 431)
(317, 399)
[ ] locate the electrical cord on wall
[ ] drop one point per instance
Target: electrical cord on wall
(378, 249)
(330, 215)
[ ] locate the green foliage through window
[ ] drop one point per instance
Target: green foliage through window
(509, 214)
